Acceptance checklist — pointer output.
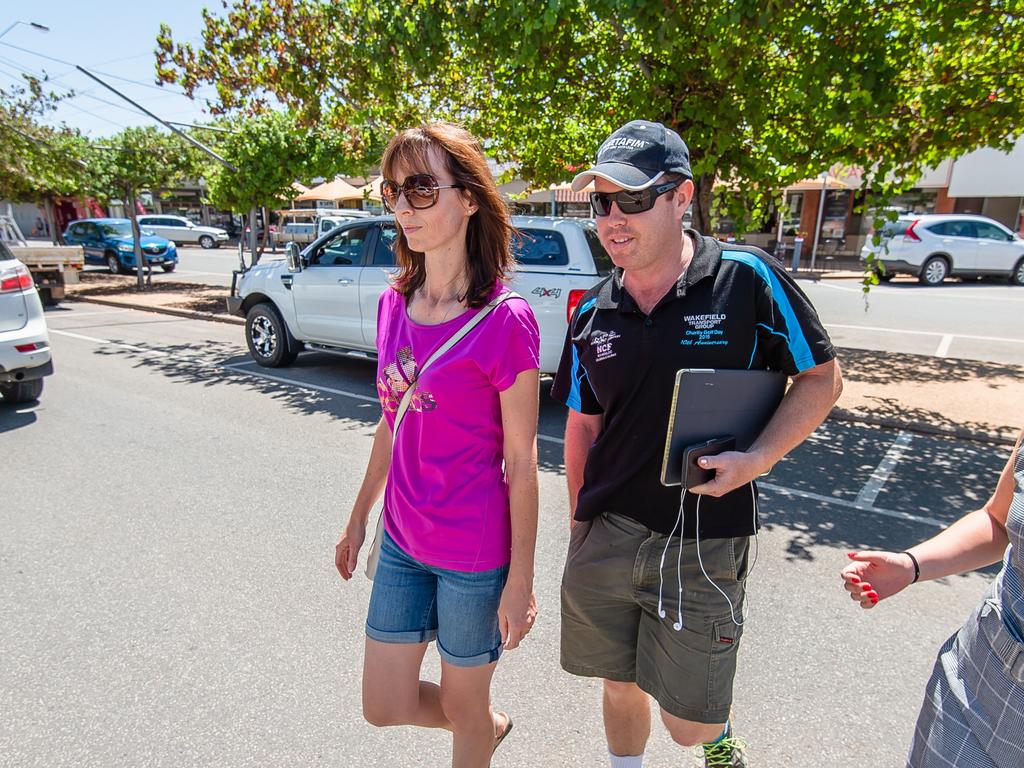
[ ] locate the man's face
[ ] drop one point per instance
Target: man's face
(638, 240)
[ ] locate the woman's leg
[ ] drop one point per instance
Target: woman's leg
(466, 703)
(393, 693)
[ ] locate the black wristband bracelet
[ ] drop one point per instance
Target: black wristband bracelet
(917, 567)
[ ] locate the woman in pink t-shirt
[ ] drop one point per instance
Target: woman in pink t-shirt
(460, 478)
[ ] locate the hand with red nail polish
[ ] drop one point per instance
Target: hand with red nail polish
(875, 576)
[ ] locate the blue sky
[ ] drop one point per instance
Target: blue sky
(115, 38)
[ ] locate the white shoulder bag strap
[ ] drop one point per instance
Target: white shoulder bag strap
(374, 555)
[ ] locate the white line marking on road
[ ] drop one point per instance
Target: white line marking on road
(108, 342)
(922, 333)
(878, 478)
(74, 315)
(852, 505)
(237, 368)
(943, 350)
(967, 294)
(302, 384)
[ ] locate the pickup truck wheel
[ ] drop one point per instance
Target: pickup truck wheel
(267, 337)
(207, 242)
(114, 264)
(21, 391)
(934, 271)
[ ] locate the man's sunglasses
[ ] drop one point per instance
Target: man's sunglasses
(421, 191)
(629, 202)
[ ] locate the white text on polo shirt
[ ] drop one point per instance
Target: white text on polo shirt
(602, 343)
(703, 331)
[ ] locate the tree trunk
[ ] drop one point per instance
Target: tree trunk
(136, 238)
(701, 205)
(266, 233)
(252, 235)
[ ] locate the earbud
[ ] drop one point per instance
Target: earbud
(661, 612)
(677, 626)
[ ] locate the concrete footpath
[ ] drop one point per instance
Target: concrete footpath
(966, 399)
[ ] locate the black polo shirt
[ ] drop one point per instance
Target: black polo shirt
(735, 308)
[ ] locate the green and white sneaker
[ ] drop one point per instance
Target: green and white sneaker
(729, 752)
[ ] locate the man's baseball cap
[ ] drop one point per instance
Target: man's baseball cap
(636, 156)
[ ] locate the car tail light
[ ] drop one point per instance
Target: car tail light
(29, 347)
(574, 299)
(19, 280)
(910, 234)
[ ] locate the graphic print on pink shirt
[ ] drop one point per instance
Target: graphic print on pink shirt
(398, 377)
(446, 500)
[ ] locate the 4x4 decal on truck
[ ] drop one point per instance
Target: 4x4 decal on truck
(547, 293)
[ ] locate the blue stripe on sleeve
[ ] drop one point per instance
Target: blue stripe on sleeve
(798, 346)
(578, 373)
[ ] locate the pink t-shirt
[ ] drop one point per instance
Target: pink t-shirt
(446, 501)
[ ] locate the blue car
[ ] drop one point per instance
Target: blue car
(109, 241)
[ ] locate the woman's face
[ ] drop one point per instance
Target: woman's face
(442, 227)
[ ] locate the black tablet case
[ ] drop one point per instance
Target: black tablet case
(709, 403)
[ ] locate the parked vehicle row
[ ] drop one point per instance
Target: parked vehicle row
(110, 242)
(325, 296)
(24, 341)
(936, 246)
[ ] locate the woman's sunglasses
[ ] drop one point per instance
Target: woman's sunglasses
(421, 191)
(629, 202)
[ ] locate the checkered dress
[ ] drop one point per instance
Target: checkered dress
(973, 712)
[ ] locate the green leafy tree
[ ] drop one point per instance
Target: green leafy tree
(764, 92)
(135, 160)
(267, 153)
(39, 162)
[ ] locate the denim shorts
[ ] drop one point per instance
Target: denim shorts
(412, 602)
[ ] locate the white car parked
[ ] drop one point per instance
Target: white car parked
(325, 297)
(24, 342)
(181, 230)
(936, 246)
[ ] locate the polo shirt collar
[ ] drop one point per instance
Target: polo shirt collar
(707, 255)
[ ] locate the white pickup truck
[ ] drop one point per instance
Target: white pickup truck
(325, 297)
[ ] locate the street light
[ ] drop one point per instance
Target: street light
(34, 25)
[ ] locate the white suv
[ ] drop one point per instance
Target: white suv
(181, 230)
(936, 246)
(24, 342)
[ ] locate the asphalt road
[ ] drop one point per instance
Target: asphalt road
(168, 595)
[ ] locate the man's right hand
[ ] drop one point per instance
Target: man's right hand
(346, 551)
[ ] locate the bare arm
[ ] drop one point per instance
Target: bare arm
(805, 405)
(519, 412)
(346, 551)
(581, 430)
(977, 539)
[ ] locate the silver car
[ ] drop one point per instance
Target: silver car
(936, 246)
(181, 230)
(24, 341)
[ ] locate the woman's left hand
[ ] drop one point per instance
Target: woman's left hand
(516, 612)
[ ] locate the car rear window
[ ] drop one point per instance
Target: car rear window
(602, 260)
(898, 227)
(539, 248)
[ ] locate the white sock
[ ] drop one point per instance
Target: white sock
(626, 761)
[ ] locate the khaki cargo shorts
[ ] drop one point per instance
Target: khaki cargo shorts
(610, 623)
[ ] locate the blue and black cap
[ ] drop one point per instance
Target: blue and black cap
(636, 156)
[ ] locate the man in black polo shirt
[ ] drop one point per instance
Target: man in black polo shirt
(652, 613)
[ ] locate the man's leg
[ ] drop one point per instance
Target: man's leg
(688, 733)
(627, 718)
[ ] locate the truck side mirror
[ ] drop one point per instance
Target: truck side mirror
(293, 257)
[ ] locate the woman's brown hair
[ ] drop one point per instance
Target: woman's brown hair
(490, 228)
